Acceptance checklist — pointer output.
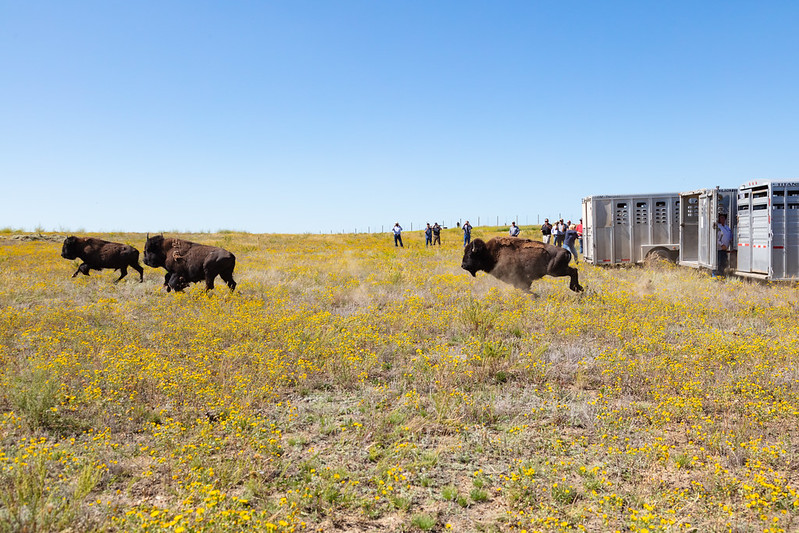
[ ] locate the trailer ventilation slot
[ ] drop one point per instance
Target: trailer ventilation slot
(622, 213)
(641, 213)
(661, 213)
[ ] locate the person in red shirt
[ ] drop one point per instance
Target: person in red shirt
(579, 229)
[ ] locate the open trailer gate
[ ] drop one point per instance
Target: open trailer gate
(699, 212)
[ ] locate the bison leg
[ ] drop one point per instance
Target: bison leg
(209, 281)
(559, 266)
(227, 277)
(137, 267)
(84, 268)
(574, 283)
(166, 281)
(123, 271)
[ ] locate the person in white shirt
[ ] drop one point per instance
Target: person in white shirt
(514, 230)
(397, 229)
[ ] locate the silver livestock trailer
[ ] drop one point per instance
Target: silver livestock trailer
(699, 211)
(768, 230)
(628, 229)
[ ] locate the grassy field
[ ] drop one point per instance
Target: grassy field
(348, 385)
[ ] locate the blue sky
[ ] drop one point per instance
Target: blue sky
(328, 116)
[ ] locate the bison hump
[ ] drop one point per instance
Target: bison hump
(516, 243)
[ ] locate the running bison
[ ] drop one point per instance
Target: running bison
(519, 261)
(188, 262)
(97, 254)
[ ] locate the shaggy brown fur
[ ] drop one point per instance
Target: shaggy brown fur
(188, 262)
(519, 261)
(98, 254)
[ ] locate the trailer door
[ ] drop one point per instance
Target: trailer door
(708, 258)
(784, 230)
(744, 231)
(689, 222)
(760, 229)
(792, 231)
(622, 249)
(602, 234)
(588, 231)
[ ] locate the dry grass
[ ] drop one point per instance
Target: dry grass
(349, 385)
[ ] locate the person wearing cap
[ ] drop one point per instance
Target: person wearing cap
(723, 242)
(436, 234)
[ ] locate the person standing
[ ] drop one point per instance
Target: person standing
(546, 231)
(467, 233)
(569, 237)
(428, 235)
(579, 230)
(397, 229)
(561, 232)
(436, 234)
(723, 241)
(514, 230)
(555, 232)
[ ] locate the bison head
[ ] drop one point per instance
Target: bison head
(71, 248)
(154, 254)
(476, 257)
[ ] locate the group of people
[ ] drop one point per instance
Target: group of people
(432, 234)
(566, 234)
(563, 234)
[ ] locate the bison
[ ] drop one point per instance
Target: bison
(519, 261)
(97, 254)
(188, 262)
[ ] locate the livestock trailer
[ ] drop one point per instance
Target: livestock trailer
(630, 228)
(699, 211)
(768, 230)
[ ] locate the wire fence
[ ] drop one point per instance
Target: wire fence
(444, 222)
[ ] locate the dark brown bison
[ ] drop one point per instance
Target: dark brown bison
(519, 261)
(188, 262)
(97, 254)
